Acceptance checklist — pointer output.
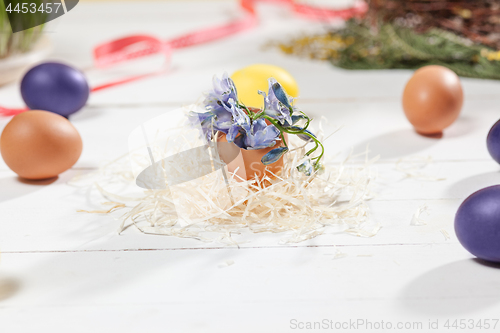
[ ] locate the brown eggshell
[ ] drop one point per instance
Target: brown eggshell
(432, 99)
(40, 144)
(247, 165)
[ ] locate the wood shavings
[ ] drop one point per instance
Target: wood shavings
(116, 205)
(413, 167)
(337, 255)
(366, 232)
(226, 263)
(416, 219)
(301, 207)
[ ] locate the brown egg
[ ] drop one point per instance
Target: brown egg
(432, 99)
(40, 144)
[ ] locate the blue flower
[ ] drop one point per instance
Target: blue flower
(259, 135)
(225, 114)
(204, 120)
(222, 95)
(295, 119)
(211, 121)
(241, 123)
(278, 104)
(220, 103)
(222, 120)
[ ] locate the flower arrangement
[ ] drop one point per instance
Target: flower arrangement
(251, 128)
(195, 200)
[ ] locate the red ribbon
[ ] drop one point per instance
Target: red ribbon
(138, 46)
(132, 47)
(11, 112)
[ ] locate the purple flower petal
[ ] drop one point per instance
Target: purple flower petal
(264, 138)
(279, 92)
(232, 133)
(221, 99)
(240, 141)
(259, 125)
(278, 107)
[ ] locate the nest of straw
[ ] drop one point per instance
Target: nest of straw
(211, 208)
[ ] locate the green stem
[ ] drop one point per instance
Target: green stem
(283, 138)
(282, 129)
(318, 158)
(250, 113)
(258, 115)
(279, 127)
(312, 150)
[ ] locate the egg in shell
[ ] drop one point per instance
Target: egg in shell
(251, 79)
(477, 223)
(493, 142)
(55, 87)
(432, 99)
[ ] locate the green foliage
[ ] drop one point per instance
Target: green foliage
(360, 46)
(396, 47)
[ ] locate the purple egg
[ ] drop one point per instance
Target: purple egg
(55, 87)
(477, 223)
(493, 142)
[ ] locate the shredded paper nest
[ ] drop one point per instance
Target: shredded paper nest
(221, 208)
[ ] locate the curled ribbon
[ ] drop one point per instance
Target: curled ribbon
(138, 46)
(132, 47)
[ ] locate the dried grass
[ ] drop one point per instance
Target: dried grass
(417, 219)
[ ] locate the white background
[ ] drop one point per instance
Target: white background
(63, 271)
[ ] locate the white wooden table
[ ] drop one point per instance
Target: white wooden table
(63, 271)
